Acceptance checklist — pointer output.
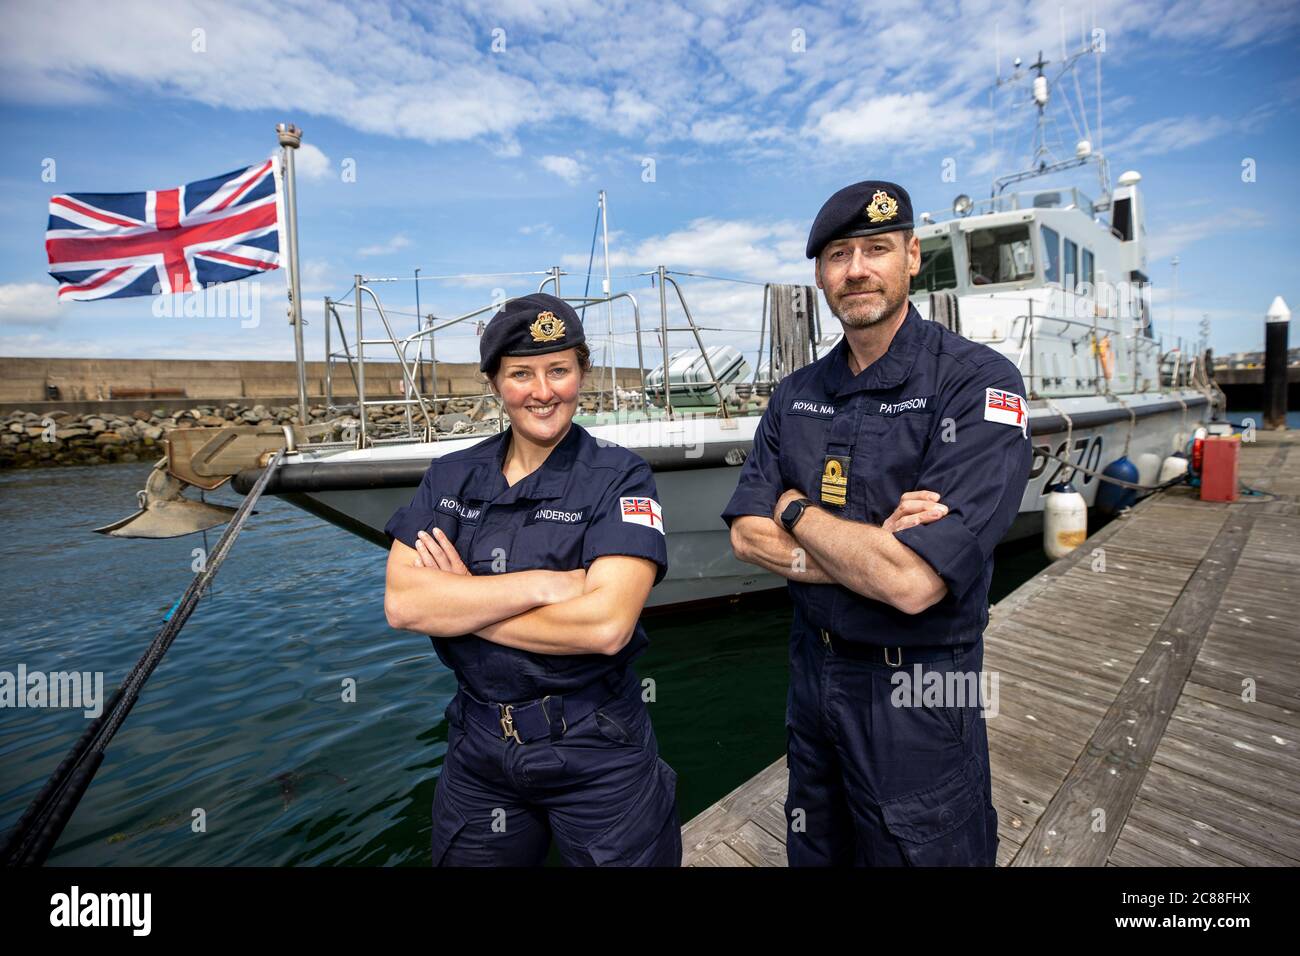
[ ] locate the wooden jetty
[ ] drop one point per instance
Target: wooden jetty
(1148, 713)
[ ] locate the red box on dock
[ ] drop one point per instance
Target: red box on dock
(1219, 468)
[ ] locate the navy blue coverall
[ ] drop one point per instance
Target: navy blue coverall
(544, 746)
(876, 779)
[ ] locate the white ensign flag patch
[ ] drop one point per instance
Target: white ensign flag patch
(644, 511)
(1007, 408)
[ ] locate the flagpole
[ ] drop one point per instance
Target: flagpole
(290, 139)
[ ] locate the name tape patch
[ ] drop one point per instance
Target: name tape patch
(917, 403)
(644, 511)
(458, 509)
(557, 516)
(1008, 408)
(822, 410)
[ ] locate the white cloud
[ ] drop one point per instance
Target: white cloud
(29, 303)
(1232, 23)
(721, 74)
(893, 119)
(765, 252)
(1170, 239)
(44, 344)
(311, 163)
(384, 248)
(566, 167)
(1170, 133)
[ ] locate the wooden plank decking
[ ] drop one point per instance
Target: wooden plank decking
(1160, 696)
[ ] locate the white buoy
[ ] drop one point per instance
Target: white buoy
(1148, 464)
(1065, 520)
(1173, 467)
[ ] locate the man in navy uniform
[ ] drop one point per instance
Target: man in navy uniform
(881, 478)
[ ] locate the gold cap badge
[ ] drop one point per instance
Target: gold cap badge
(547, 328)
(882, 207)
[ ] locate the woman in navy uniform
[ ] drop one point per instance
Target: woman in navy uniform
(528, 558)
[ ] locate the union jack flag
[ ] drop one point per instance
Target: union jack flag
(1005, 407)
(644, 511)
(116, 245)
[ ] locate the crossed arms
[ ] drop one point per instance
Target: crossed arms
(865, 558)
(430, 591)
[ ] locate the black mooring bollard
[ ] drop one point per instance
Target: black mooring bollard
(1276, 324)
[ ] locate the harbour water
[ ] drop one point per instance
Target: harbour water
(246, 717)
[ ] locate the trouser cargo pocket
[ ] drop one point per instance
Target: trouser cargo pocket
(448, 821)
(940, 826)
(647, 833)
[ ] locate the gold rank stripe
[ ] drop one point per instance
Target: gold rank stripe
(835, 480)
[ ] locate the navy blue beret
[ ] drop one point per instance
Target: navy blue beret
(530, 325)
(862, 209)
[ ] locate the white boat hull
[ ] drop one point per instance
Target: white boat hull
(696, 464)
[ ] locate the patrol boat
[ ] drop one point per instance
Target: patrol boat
(1052, 279)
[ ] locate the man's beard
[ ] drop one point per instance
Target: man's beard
(860, 315)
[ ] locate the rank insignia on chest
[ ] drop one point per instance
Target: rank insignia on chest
(835, 480)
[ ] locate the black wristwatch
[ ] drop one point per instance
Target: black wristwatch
(793, 512)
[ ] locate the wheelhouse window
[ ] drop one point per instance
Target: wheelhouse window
(937, 268)
(1051, 255)
(1086, 272)
(1002, 254)
(1071, 264)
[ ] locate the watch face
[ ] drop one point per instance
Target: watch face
(791, 513)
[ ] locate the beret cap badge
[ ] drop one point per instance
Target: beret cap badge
(882, 207)
(547, 328)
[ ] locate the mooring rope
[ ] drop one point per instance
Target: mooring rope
(35, 834)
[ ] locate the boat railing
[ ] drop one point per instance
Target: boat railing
(409, 353)
(1064, 197)
(1026, 330)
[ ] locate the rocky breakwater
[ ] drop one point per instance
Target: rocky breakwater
(31, 440)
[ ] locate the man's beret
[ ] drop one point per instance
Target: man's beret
(530, 325)
(862, 209)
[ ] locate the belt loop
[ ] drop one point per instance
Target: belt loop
(559, 727)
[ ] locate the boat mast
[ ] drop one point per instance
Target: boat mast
(1042, 161)
(609, 305)
(290, 139)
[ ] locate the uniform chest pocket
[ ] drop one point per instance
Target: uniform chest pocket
(454, 529)
(803, 443)
(887, 460)
(457, 517)
(547, 535)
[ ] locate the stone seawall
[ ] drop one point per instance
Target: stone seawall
(30, 439)
(30, 383)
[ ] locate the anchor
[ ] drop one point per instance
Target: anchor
(205, 458)
(165, 512)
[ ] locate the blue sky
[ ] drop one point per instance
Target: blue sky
(474, 159)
